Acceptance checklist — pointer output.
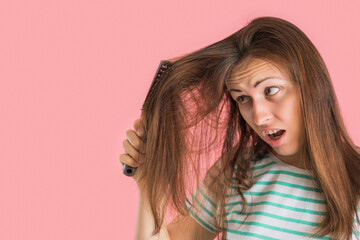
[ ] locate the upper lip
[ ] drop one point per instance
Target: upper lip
(263, 131)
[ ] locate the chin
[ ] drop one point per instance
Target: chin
(282, 151)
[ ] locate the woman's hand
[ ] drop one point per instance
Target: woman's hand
(134, 147)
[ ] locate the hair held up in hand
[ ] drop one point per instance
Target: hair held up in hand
(192, 114)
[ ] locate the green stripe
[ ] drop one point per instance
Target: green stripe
(204, 208)
(263, 166)
(250, 234)
(287, 184)
(279, 206)
(275, 228)
(356, 233)
(276, 217)
(284, 184)
(281, 195)
(286, 173)
(202, 222)
(276, 172)
(207, 198)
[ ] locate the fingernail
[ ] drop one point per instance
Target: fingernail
(140, 132)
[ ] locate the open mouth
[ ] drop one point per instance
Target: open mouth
(275, 139)
(277, 135)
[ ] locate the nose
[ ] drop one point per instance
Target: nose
(262, 113)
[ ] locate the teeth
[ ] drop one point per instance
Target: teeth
(272, 131)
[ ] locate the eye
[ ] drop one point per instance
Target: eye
(241, 98)
(271, 88)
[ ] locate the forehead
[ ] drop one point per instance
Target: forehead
(252, 70)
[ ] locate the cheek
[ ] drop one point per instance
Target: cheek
(293, 114)
(244, 111)
(246, 115)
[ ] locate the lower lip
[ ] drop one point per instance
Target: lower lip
(277, 142)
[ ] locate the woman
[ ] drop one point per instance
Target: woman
(286, 169)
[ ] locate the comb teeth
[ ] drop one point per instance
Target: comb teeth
(162, 68)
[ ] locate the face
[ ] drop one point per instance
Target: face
(267, 98)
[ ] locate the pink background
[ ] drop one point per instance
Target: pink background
(73, 77)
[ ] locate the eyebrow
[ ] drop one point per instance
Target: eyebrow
(255, 85)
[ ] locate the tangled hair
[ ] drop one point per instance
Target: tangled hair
(194, 114)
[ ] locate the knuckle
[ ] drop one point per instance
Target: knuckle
(137, 123)
(128, 132)
(142, 147)
(138, 126)
(131, 156)
(137, 144)
(135, 156)
(122, 158)
(125, 142)
(131, 136)
(128, 160)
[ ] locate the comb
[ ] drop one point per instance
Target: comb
(161, 71)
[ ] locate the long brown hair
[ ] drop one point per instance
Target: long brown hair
(193, 113)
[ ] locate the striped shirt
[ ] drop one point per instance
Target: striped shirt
(284, 203)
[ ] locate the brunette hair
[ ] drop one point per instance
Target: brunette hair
(194, 113)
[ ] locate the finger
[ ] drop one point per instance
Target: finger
(135, 141)
(139, 158)
(139, 127)
(128, 160)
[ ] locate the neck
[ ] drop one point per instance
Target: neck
(295, 160)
